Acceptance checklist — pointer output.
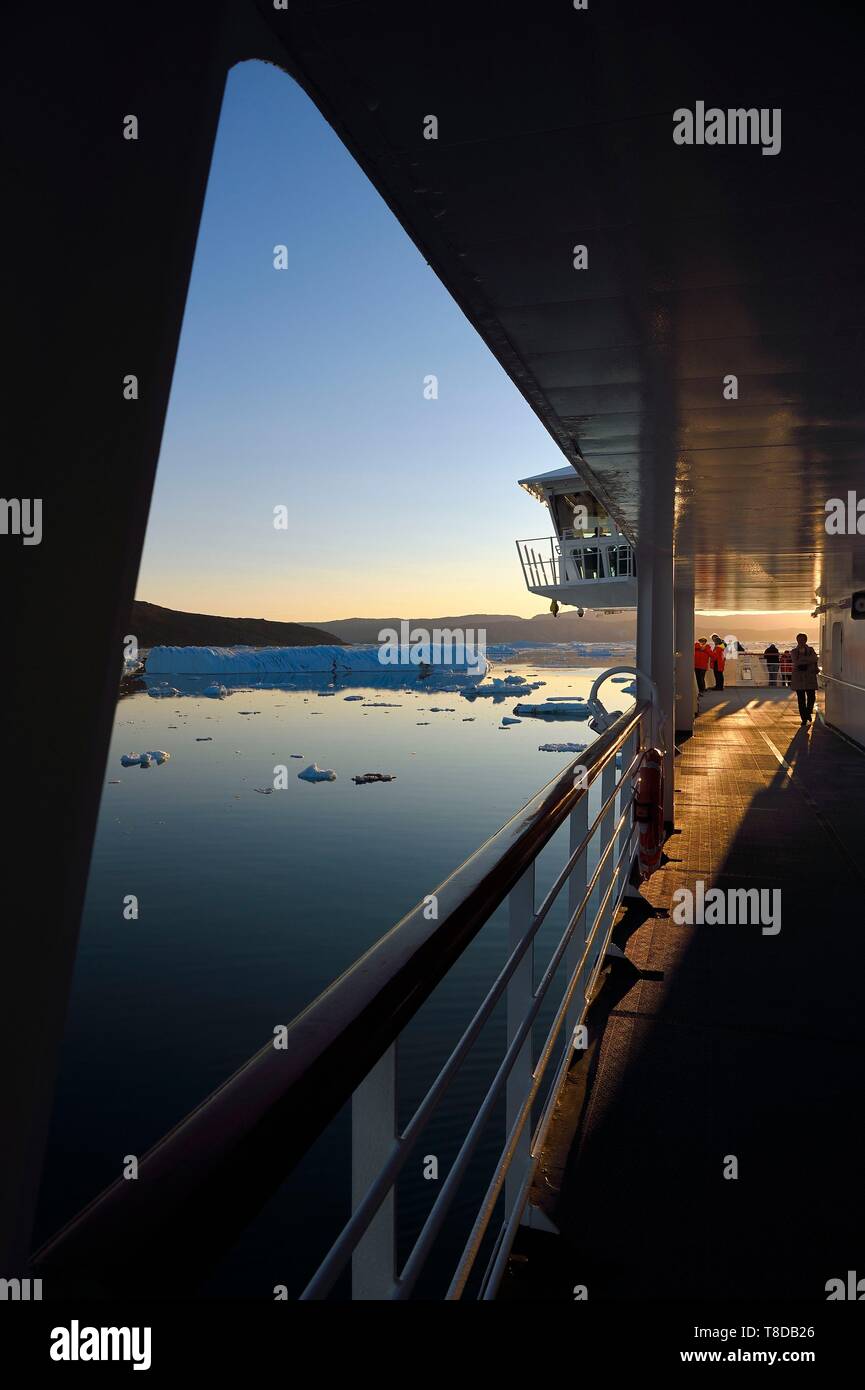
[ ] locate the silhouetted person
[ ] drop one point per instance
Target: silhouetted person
(702, 660)
(804, 676)
(773, 660)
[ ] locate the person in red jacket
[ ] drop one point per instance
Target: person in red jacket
(718, 662)
(702, 660)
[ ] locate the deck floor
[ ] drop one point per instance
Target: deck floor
(731, 1042)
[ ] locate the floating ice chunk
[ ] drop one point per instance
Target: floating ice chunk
(380, 704)
(162, 692)
(352, 697)
(313, 773)
(326, 694)
(620, 680)
(554, 709)
(510, 685)
(265, 791)
(508, 719)
(562, 747)
(214, 692)
(157, 755)
(441, 709)
(364, 777)
(295, 755)
(205, 739)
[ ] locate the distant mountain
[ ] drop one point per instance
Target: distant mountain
(594, 627)
(504, 627)
(156, 627)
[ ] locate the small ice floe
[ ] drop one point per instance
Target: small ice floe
(364, 777)
(314, 773)
(214, 692)
(206, 739)
(352, 697)
(422, 724)
(620, 680)
(326, 694)
(442, 709)
(562, 747)
(162, 692)
(157, 755)
(555, 709)
(510, 685)
(380, 704)
(468, 719)
(265, 791)
(509, 719)
(249, 711)
(295, 755)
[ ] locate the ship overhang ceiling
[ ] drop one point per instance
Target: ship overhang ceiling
(704, 262)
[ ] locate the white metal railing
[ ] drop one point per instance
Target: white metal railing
(548, 563)
(849, 685)
(596, 873)
(200, 1183)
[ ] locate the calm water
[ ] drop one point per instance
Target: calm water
(250, 904)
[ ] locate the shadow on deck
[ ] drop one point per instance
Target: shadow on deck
(713, 1041)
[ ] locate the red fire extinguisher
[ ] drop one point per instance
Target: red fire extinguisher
(649, 813)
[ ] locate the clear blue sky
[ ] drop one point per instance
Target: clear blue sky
(304, 387)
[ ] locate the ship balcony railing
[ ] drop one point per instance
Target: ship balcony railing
(202, 1184)
(549, 563)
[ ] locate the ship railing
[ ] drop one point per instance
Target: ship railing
(200, 1186)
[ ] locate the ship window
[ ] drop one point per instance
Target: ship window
(620, 556)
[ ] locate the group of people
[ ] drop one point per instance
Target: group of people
(709, 656)
(795, 669)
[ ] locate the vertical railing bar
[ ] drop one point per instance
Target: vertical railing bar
(373, 1133)
(520, 992)
(579, 823)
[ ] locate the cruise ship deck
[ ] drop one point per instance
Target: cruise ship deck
(687, 322)
(712, 1041)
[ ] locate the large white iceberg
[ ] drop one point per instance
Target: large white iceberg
(338, 661)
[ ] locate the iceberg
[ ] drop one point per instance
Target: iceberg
(554, 709)
(266, 665)
(158, 756)
(562, 747)
(313, 773)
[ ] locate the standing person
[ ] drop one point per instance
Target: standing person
(786, 668)
(773, 661)
(702, 660)
(719, 661)
(804, 676)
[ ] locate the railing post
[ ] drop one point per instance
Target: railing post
(579, 821)
(608, 782)
(373, 1131)
(520, 992)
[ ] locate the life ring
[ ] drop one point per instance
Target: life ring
(649, 813)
